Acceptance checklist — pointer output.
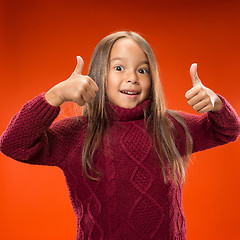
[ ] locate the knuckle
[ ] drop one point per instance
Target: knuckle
(84, 80)
(208, 100)
(87, 79)
(201, 93)
(198, 87)
(83, 85)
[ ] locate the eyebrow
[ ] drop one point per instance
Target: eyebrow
(123, 58)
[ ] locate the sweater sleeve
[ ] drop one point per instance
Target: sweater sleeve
(32, 138)
(213, 128)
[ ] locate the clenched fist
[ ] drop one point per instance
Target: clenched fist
(78, 88)
(201, 99)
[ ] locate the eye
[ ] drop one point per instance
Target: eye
(143, 71)
(119, 68)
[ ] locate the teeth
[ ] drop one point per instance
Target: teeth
(130, 93)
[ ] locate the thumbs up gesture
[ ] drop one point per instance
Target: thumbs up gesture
(77, 88)
(201, 99)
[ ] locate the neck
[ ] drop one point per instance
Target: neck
(117, 113)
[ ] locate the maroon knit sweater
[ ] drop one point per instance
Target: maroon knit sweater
(130, 201)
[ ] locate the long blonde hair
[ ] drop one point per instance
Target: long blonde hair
(156, 116)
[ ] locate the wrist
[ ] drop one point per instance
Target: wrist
(53, 98)
(218, 105)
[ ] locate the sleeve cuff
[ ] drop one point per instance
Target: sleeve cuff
(42, 109)
(226, 115)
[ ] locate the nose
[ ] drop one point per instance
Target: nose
(132, 78)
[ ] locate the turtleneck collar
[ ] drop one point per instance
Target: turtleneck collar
(126, 114)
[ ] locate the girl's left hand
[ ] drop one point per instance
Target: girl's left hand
(201, 99)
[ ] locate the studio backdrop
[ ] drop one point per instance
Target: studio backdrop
(39, 42)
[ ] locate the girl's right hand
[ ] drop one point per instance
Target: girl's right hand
(78, 88)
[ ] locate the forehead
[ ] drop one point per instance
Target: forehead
(127, 48)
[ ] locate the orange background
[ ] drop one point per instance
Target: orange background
(39, 43)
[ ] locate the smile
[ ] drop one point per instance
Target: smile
(129, 93)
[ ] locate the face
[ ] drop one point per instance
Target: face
(128, 80)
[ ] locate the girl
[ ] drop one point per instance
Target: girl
(125, 159)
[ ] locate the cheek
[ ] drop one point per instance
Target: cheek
(110, 86)
(113, 81)
(147, 88)
(108, 90)
(108, 83)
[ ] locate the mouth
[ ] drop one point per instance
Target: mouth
(130, 92)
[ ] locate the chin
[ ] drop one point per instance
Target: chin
(127, 105)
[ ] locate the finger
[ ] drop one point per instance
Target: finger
(192, 92)
(93, 84)
(80, 101)
(200, 105)
(206, 109)
(91, 91)
(194, 100)
(80, 65)
(86, 96)
(193, 74)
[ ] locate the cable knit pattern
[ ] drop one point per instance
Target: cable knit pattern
(130, 201)
(146, 214)
(177, 218)
(111, 186)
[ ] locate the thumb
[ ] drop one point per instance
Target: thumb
(80, 65)
(193, 74)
